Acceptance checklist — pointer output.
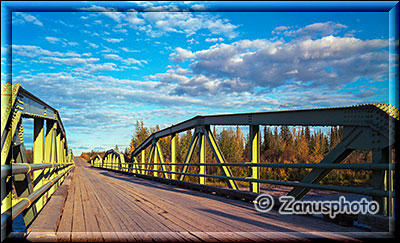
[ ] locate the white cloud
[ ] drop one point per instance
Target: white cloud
(133, 61)
(52, 40)
(63, 41)
(70, 61)
(133, 19)
(114, 40)
(24, 17)
(102, 67)
(198, 7)
(117, 16)
(313, 30)
(222, 27)
(112, 56)
(35, 51)
(118, 30)
(169, 78)
(180, 55)
(214, 39)
(247, 64)
(93, 45)
(281, 28)
(128, 50)
(191, 41)
(161, 20)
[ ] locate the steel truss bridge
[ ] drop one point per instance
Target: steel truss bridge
(146, 198)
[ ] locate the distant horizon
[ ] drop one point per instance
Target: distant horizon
(103, 70)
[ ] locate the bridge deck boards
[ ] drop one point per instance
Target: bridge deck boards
(107, 206)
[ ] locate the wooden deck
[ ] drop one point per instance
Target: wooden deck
(108, 206)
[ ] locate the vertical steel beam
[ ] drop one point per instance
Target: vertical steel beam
(173, 155)
(123, 164)
(22, 182)
(136, 166)
(49, 141)
(62, 150)
(155, 166)
(38, 156)
(143, 161)
(380, 179)
(114, 161)
(58, 145)
(50, 154)
(38, 143)
(202, 158)
(255, 157)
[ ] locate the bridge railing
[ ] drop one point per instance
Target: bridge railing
(28, 185)
(365, 127)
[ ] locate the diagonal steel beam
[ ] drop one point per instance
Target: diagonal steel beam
(220, 158)
(151, 154)
(336, 155)
(160, 155)
(189, 154)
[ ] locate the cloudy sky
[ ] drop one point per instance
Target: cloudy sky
(105, 70)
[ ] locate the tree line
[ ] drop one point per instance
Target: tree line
(279, 144)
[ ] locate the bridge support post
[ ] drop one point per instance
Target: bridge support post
(381, 180)
(255, 157)
(22, 182)
(143, 162)
(50, 154)
(63, 150)
(173, 156)
(155, 166)
(202, 158)
(38, 156)
(58, 145)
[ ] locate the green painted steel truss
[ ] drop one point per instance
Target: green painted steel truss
(29, 185)
(365, 127)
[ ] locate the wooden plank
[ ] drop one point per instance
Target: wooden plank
(173, 212)
(117, 207)
(89, 209)
(50, 216)
(65, 225)
(129, 204)
(106, 227)
(189, 237)
(78, 223)
(148, 214)
(204, 236)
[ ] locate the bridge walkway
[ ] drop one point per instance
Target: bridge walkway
(103, 205)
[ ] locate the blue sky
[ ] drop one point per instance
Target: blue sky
(105, 70)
